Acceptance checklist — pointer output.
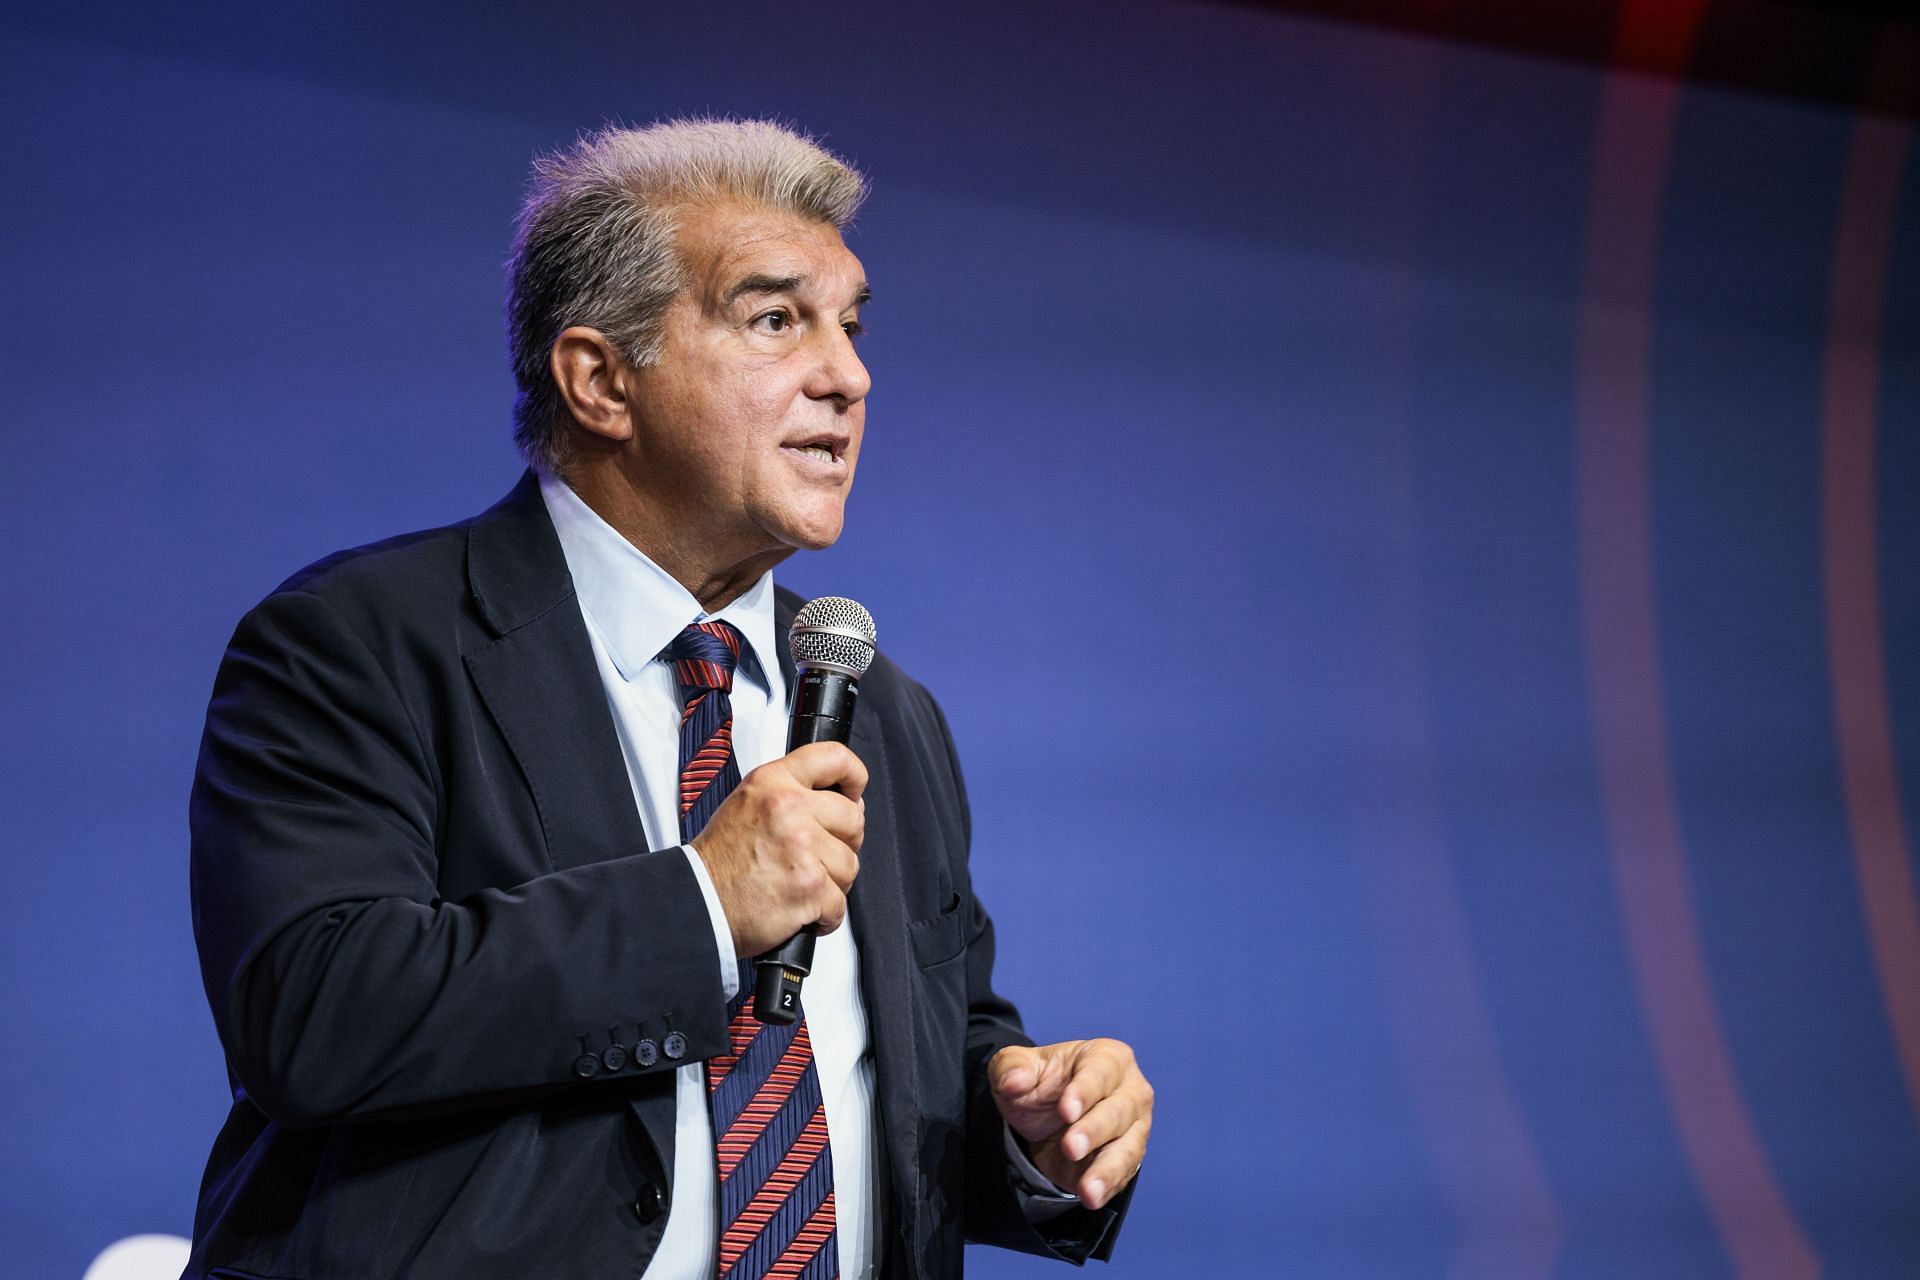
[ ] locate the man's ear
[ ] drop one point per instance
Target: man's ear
(593, 379)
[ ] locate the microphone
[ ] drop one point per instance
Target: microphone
(832, 639)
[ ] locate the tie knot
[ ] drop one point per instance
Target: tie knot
(704, 656)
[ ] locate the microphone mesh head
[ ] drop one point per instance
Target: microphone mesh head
(833, 632)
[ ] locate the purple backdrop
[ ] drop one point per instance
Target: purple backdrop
(1497, 476)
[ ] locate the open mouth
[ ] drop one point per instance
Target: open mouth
(827, 450)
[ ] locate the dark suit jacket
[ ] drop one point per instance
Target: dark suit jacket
(421, 892)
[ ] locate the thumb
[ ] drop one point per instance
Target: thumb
(1014, 1070)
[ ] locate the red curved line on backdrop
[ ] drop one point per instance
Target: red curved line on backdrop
(1755, 1223)
(1496, 1189)
(1849, 409)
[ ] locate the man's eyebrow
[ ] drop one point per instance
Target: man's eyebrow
(762, 284)
(783, 284)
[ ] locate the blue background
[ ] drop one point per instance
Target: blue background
(1227, 415)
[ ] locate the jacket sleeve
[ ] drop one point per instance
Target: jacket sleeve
(343, 986)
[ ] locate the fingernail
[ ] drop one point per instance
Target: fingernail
(1098, 1190)
(1077, 1145)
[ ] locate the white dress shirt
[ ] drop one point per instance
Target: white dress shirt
(633, 610)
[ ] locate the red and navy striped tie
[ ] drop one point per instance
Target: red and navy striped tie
(763, 1094)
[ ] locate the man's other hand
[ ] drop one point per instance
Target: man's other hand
(782, 850)
(1083, 1108)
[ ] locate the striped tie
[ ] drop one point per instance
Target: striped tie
(770, 1134)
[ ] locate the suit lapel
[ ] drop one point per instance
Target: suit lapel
(878, 907)
(539, 681)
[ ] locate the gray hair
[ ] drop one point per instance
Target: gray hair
(595, 246)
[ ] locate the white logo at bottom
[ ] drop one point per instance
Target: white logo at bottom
(141, 1258)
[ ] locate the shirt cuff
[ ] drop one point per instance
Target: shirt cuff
(722, 931)
(1044, 1199)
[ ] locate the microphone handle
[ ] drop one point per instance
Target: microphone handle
(822, 712)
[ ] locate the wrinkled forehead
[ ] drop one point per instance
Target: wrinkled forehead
(728, 244)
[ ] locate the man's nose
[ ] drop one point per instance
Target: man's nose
(841, 374)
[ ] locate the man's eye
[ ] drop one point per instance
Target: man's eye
(853, 328)
(773, 322)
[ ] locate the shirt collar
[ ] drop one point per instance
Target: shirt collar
(638, 607)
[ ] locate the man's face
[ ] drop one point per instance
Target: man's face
(747, 430)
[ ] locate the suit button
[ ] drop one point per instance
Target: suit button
(648, 1205)
(586, 1064)
(615, 1057)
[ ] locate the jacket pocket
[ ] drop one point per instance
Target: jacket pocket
(939, 938)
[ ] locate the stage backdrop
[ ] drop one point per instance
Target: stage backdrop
(1417, 543)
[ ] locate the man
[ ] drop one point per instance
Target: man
(485, 817)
